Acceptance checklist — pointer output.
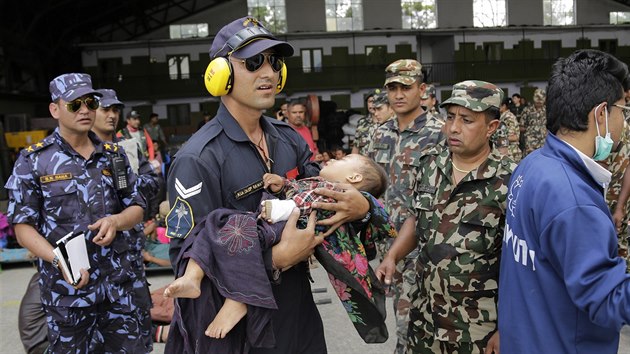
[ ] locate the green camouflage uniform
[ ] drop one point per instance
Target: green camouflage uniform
(365, 129)
(500, 137)
(510, 121)
(454, 305)
(535, 123)
(399, 152)
(461, 228)
(617, 163)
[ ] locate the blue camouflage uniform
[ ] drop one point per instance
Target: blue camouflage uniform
(219, 167)
(57, 191)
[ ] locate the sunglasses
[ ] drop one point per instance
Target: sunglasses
(90, 102)
(254, 63)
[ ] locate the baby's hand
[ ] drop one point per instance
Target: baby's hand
(273, 182)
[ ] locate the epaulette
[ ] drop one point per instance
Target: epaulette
(112, 148)
(37, 146)
(208, 133)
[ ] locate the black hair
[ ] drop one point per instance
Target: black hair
(580, 82)
(506, 101)
(516, 95)
(153, 115)
(295, 102)
(374, 177)
(492, 113)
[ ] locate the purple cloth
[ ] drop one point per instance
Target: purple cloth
(228, 246)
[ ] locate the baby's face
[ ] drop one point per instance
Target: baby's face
(340, 170)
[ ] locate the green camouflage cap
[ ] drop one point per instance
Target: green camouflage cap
(540, 95)
(380, 99)
(475, 95)
(429, 92)
(404, 71)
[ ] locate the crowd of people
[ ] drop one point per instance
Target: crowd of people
(499, 226)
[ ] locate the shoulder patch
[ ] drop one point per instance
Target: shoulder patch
(179, 220)
(37, 146)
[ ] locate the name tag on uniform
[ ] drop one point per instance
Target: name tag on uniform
(106, 172)
(381, 146)
(252, 188)
(423, 188)
(54, 178)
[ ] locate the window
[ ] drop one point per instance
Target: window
(558, 12)
(493, 51)
(110, 71)
(618, 18)
(551, 49)
(178, 114)
(418, 14)
(489, 13)
(178, 67)
(189, 31)
(376, 55)
(272, 13)
(344, 15)
(311, 60)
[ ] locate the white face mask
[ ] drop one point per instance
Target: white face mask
(603, 145)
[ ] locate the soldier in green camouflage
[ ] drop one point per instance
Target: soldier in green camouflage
(398, 146)
(365, 127)
(499, 140)
(534, 120)
(459, 204)
(508, 119)
(619, 190)
(430, 102)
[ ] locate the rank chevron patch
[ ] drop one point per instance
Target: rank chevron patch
(186, 193)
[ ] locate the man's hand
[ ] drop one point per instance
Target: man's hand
(296, 244)
(85, 278)
(351, 205)
(618, 217)
(493, 344)
(107, 228)
(385, 271)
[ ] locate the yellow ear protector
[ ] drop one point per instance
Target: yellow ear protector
(219, 76)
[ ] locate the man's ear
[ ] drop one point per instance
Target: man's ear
(493, 125)
(54, 108)
(355, 178)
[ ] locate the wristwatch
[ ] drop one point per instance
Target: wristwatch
(55, 262)
(367, 217)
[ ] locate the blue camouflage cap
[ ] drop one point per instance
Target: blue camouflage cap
(108, 98)
(475, 95)
(71, 86)
(246, 37)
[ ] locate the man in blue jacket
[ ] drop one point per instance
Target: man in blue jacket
(563, 288)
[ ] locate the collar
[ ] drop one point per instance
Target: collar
(599, 173)
(415, 126)
(234, 131)
(494, 165)
(98, 144)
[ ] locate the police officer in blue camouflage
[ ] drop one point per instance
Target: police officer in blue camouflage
(64, 184)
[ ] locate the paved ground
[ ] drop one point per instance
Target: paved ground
(340, 334)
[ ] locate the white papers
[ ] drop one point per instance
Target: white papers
(72, 253)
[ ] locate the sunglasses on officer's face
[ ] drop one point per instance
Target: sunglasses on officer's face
(255, 62)
(90, 102)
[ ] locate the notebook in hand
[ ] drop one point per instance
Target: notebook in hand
(72, 253)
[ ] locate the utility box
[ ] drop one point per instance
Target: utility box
(18, 140)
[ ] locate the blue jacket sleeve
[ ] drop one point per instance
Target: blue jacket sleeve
(194, 191)
(585, 254)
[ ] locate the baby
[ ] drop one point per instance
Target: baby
(359, 171)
